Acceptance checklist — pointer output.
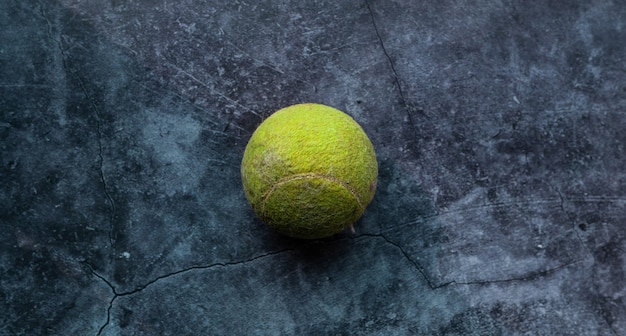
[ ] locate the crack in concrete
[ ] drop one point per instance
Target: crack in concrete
(59, 43)
(388, 56)
(406, 255)
(396, 77)
(103, 179)
(533, 275)
(140, 288)
(115, 295)
(528, 277)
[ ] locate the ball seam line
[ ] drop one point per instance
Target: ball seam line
(308, 175)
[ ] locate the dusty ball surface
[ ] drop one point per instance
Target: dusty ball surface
(309, 171)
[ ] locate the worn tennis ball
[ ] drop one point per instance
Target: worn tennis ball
(309, 171)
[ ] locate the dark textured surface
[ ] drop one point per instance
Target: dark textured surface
(499, 129)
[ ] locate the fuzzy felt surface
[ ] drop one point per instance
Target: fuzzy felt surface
(309, 171)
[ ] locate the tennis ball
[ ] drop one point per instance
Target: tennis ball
(309, 171)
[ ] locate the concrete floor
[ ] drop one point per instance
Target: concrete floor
(499, 129)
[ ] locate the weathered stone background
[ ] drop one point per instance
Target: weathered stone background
(499, 128)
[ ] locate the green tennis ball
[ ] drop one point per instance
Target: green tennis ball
(309, 171)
